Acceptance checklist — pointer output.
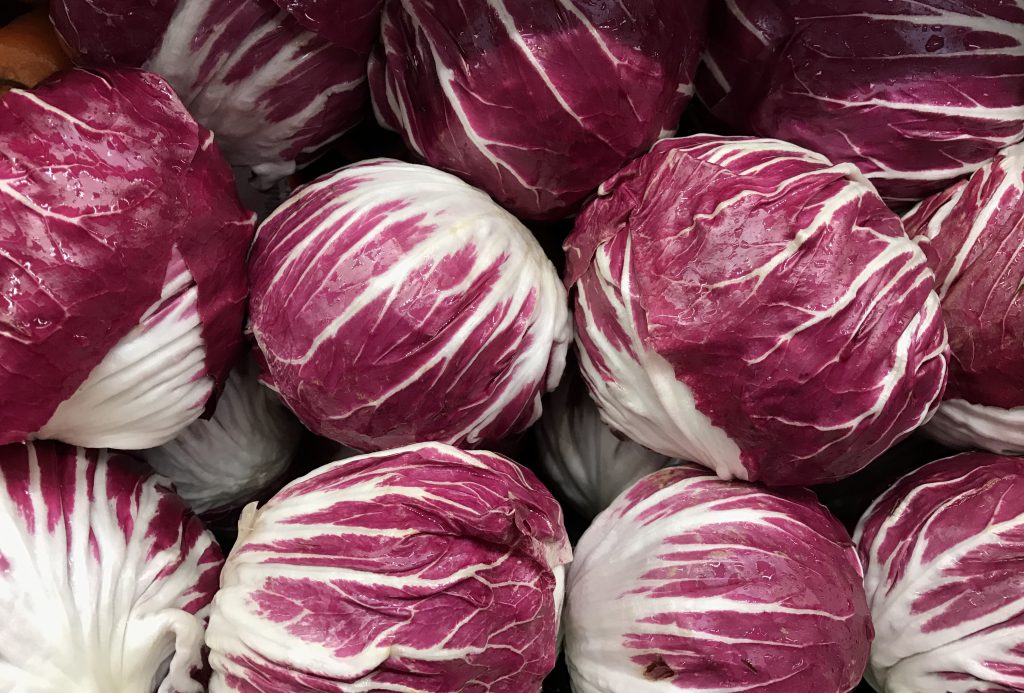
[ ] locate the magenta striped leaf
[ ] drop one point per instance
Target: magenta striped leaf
(973, 235)
(424, 568)
(273, 91)
(536, 103)
(105, 577)
(916, 93)
(942, 551)
(393, 303)
(745, 304)
(691, 583)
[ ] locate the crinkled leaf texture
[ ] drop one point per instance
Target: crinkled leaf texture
(915, 93)
(393, 303)
(425, 568)
(122, 262)
(536, 103)
(224, 462)
(273, 91)
(105, 577)
(586, 460)
(690, 583)
(972, 234)
(942, 552)
(745, 304)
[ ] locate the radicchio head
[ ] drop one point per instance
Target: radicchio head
(423, 568)
(272, 87)
(916, 94)
(105, 577)
(745, 304)
(535, 102)
(690, 583)
(393, 303)
(972, 235)
(941, 551)
(122, 262)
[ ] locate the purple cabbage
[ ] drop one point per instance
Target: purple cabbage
(536, 103)
(424, 568)
(942, 551)
(106, 578)
(745, 304)
(972, 235)
(274, 87)
(690, 583)
(122, 262)
(393, 303)
(916, 93)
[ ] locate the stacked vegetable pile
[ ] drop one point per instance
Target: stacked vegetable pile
(314, 314)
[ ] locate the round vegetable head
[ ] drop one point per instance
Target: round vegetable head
(393, 303)
(745, 304)
(421, 568)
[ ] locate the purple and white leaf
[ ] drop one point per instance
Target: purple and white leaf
(274, 92)
(122, 262)
(745, 304)
(690, 583)
(942, 551)
(105, 577)
(973, 235)
(425, 568)
(536, 103)
(916, 93)
(393, 303)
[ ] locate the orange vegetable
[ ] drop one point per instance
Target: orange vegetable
(29, 51)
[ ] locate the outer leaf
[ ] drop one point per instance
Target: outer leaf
(942, 551)
(916, 93)
(690, 583)
(122, 249)
(424, 568)
(274, 92)
(536, 103)
(105, 577)
(745, 304)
